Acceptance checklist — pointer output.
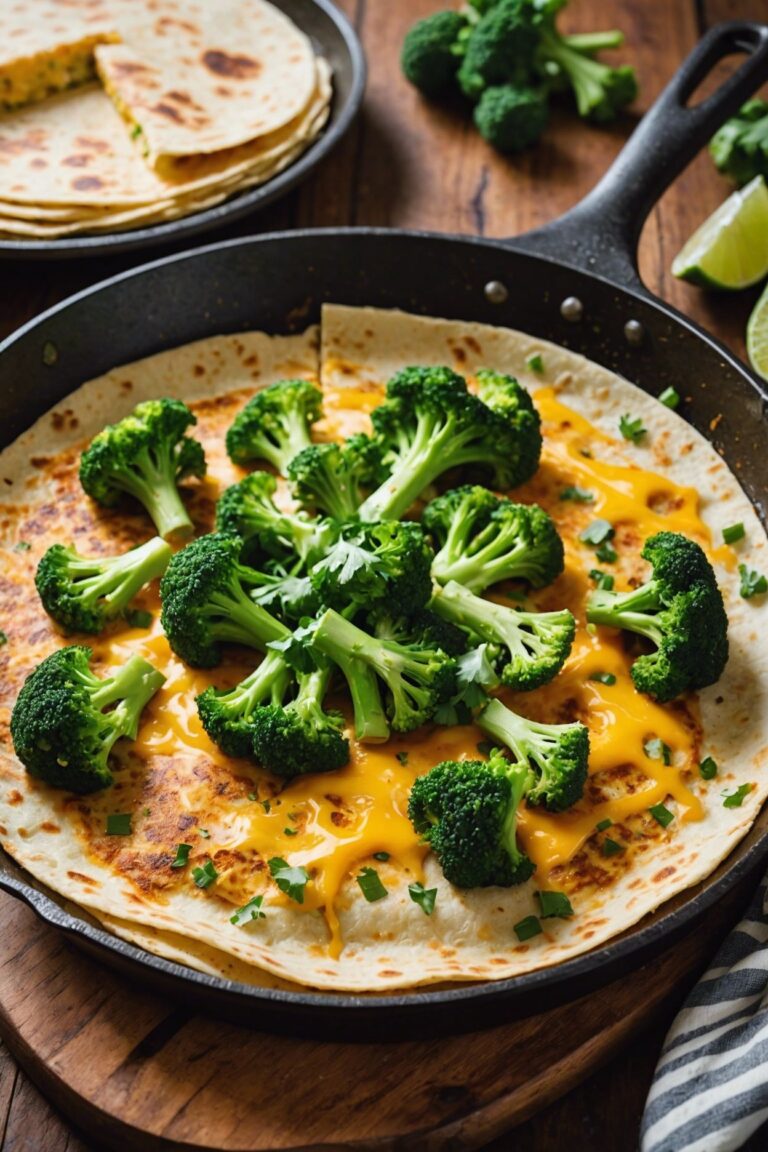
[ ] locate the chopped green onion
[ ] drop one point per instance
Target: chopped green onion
(248, 912)
(752, 583)
(603, 677)
(135, 131)
(733, 533)
(601, 827)
(580, 495)
(527, 928)
(371, 885)
(612, 847)
(266, 805)
(424, 897)
(657, 750)
(3, 638)
(597, 532)
(289, 879)
(182, 856)
(669, 398)
(119, 824)
(708, 768)
(554, 904)
(632, 429)
(204, 833)
(252, 796)
(22, 546)
(290, 831)
(381, 856)
(136, 618)
(402, 757)
(535, 363)
(206, 875)
(735, 799)
(607, 554)
(662, 814)
(604, 580)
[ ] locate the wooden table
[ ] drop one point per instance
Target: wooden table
(410, 164)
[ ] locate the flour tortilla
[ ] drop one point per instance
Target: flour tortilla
(391, 944)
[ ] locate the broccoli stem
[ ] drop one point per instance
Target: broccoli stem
(269, 681)
(520, 778)
(628, 610)
(337, 638)
(116, 580)
(154, 486)
(587, 76)
(526, 739)
(294, 438)
(235, 618)
(519, 631)
(488, 562)
(589, 42)
(130, 689)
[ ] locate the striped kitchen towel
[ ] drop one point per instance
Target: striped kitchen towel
(710, 1089)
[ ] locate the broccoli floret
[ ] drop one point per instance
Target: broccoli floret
(485, 538)
(335, 478)
(740, 148)
(432, 51)
(501, 47)
(248, 510)
(227, 716)
(430, 423)
(83, 593)
(556, 754)
(66, 719)
(145, 456)
(275, 424)
(301, 737)
(417, 679)
(680, 610)
(600, 90)
(206, 601)
(424, 627)
(529, 648)
(370, 563)
(511, 117)
(466, 810)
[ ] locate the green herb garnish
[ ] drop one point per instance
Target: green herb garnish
(402, 757)
(733, 533)
(204, 833)
(248, 912)
(752, 583)
(205, 875)
(22, 546)
(554, 904)
(603, 677)
(424, 897)
(290, 879)
(290, 831)
(371, 885)
(607, 554)
(612, 847)
(708, 768)
(604, 580)
(601, 827)
(669, 398)
(182, 856)
(3, 638)
(662, 814)
(382, 856)
(632, 429)
(119, 824)
(535, 363)
(580, 495)
(735, 799)
(598, 532)
(656, 749)
(527, 928)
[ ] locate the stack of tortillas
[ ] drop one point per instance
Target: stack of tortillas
(122, 113)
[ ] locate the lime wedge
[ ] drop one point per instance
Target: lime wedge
(730, 249)
(757, 336)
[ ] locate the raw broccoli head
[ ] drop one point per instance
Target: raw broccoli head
(301, 737)
(248, 510)
(335, 478)
(432, 51)
(430, 423)
(466, 810)
(485, 538)
(228, 716)
(557, 755)
(145, 456)
(417, 680)
(66, 719)
(528, 648)
(740, 148)
(511, 117)
(206, 601)
(83, 593)
(680, 610)
(501, 47)
(387, 562)
(275, 424)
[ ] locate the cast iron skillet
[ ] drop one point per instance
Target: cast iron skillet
(333, 36)
(277, 283)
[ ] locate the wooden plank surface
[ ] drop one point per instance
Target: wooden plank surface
(412, 164)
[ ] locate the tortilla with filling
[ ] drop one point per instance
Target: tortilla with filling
(180, 788)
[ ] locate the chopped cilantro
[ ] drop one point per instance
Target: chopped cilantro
(554, 904)
(662, 814)
(371, 885)
(670, 398)
(119, 824)
(708, 768)
(612, 847)
(248, 912)
(603, 677)
(733, 533)
(182, 856)
(632, 429)
(656, 749)
(735, 799)
(598, 532)
(527, 928)
(604, 580)
(289, 879)
(424, 897)
(205, 875)
(580, 495)
(535, 363)
(752, 583)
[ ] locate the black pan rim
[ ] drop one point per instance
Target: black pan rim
(639, 940)
(231, 210)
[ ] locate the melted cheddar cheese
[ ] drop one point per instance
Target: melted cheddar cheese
(30, 79)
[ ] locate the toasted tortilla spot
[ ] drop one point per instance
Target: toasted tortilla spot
(15, 797)
(87, 183)
(77, 161)
(236, 67)
(663, 873)
(84, 879)
(49, 826)
(168, 111)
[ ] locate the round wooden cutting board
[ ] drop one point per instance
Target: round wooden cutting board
(138, 1074)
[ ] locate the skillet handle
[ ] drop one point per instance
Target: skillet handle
(601, 233)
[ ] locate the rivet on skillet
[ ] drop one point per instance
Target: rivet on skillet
(634, 333)
(496, 292)
(572, 309)
(50, 353)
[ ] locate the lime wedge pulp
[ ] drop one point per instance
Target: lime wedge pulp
(757, 336)
(730, 249)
